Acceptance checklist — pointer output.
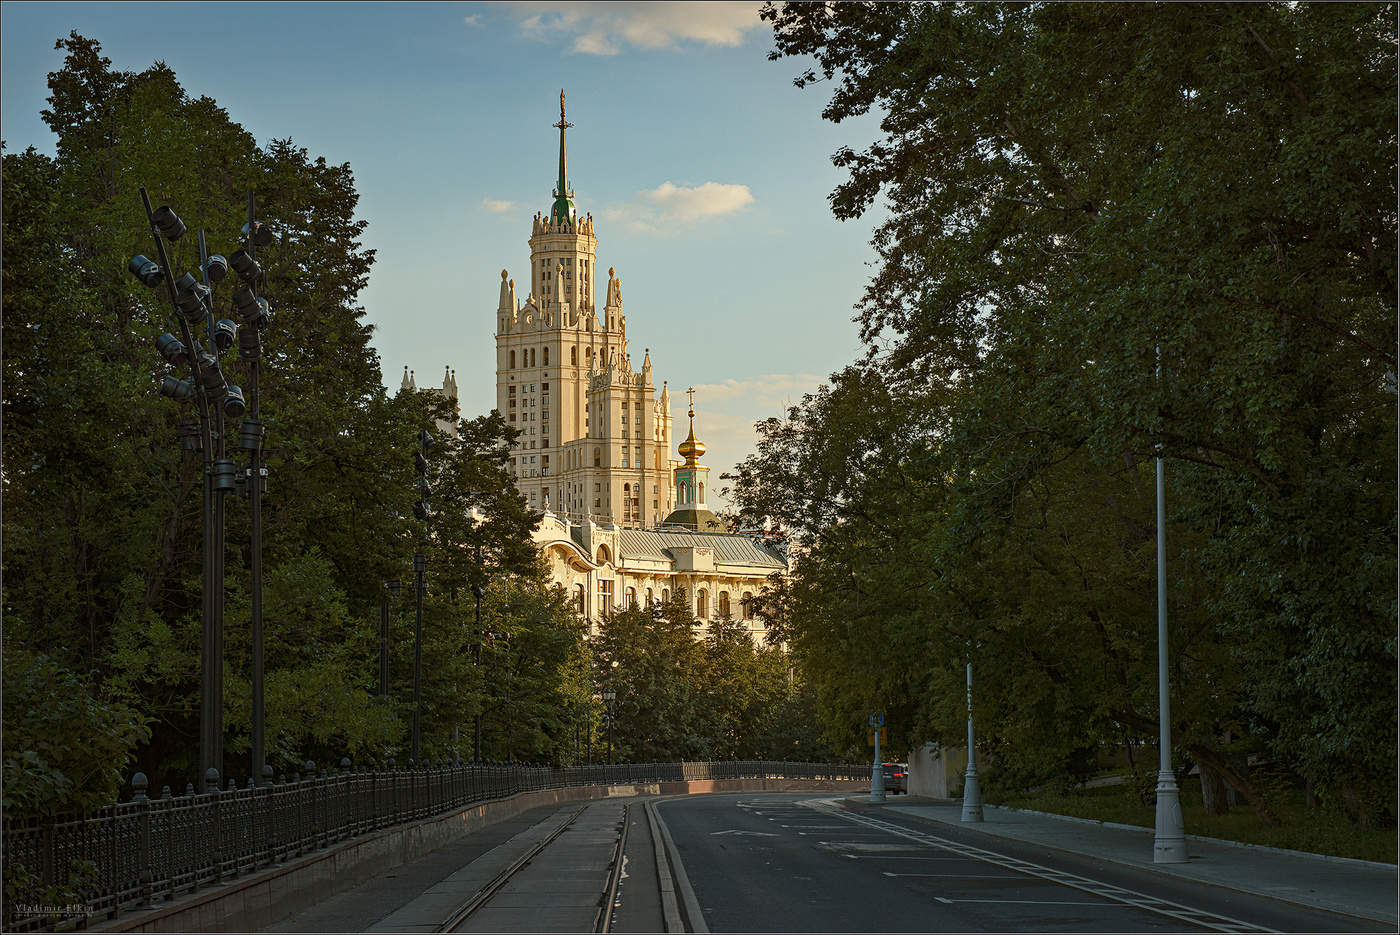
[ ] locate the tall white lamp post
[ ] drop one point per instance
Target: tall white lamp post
(972, 792)
(1169, 845)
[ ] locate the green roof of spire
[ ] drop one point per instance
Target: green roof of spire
(563, 201)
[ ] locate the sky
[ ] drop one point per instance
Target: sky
(707, 173)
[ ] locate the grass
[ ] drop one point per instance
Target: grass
(1317, 830)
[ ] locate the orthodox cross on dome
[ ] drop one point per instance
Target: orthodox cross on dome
(692, 448)
(691, 393)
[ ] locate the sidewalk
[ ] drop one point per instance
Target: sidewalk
(1355, 887)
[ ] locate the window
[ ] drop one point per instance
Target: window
(546, 445)
(650, 600)
(546, 357)
(746, 606)
(512, 366)
(665, 595)
(701, 604)
(544, 387)
(578, 599)
(605, 592)
(573, 355)
(724, 603)
(702, 493)
(597, 458)
(631, 597)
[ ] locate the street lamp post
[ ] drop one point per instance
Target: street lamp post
(478, 592)
(250, 439)
(609, 696)
(1169, 843)
(392, 586)
(191, 300)
(972, 791)
(420, 564)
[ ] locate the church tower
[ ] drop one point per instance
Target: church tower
(594, 443)
(692, 477)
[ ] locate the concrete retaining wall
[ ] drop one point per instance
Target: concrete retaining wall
(258, 900)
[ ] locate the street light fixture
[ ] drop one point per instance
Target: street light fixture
(216, 400)
(609, 697)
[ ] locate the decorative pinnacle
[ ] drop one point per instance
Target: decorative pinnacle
(562, 124)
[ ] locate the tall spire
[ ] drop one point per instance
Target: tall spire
(563, 209)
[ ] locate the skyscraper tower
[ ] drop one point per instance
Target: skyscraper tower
(595, 441)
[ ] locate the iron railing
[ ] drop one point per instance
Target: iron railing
(153, 849)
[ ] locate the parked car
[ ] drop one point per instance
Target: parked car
(896, 777)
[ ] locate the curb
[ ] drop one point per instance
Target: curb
(1160, 868)
(1352, 861)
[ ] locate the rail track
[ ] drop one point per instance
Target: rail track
(486, 905)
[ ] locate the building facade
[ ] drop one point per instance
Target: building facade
(624, 523)
(595, 436)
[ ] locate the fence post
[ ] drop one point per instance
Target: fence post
(211, 788)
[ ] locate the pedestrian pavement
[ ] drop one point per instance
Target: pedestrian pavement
(1337, 884)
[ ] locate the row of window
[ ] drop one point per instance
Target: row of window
(605, 593)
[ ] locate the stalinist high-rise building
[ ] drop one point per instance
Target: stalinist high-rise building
(595, 442)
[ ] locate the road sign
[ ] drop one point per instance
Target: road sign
(870, 737)
(877, 720)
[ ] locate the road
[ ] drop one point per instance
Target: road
(789, 863)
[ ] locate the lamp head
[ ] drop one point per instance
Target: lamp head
(167, 222)
(234, 404)
(146, 270)
(225, 333)
(245, 266)
(216, 268)
(172, 349)
(262, 234)
(190, 297)
(176, 388)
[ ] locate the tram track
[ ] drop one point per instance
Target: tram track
(482, 901)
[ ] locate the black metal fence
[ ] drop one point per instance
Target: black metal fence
(153, 849)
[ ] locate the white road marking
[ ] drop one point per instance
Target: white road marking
(943, 900)
(957, 876)
(1026, 902)
(1118, 894)
(745, 834)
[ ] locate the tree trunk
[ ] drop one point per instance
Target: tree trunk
(1206, 756)
(1214, 794)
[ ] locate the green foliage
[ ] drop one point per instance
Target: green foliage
(65, 750)
(1183, 243)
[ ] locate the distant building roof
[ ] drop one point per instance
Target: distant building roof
(729, 548)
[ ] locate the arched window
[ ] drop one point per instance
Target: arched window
(702, 494)
(746, 605)
(724, 603)
(512, 360)
(603, 557)
(573, 355)
(650, 599)
(665, 595)
(701, 605)
(533, 357)
(631, 597)
(578, 600)
(546, 357)
(588, 354)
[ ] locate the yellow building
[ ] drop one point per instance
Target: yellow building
(623, 522)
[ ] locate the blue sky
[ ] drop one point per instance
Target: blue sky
(706, 171)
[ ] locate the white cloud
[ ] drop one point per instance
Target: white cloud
(669, 205)
(497, 207)
(473, 20)
(606, 28)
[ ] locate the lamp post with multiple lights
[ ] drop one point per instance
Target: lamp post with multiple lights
(215, 400)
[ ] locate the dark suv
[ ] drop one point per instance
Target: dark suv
(896, 777)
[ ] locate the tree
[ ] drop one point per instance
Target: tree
(1184, 243)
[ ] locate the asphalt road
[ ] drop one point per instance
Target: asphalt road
(769, 863)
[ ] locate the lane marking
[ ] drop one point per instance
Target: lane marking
(957, 876)
(1025, 902)
(1164, 907)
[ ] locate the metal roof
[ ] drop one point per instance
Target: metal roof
(657, 545)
